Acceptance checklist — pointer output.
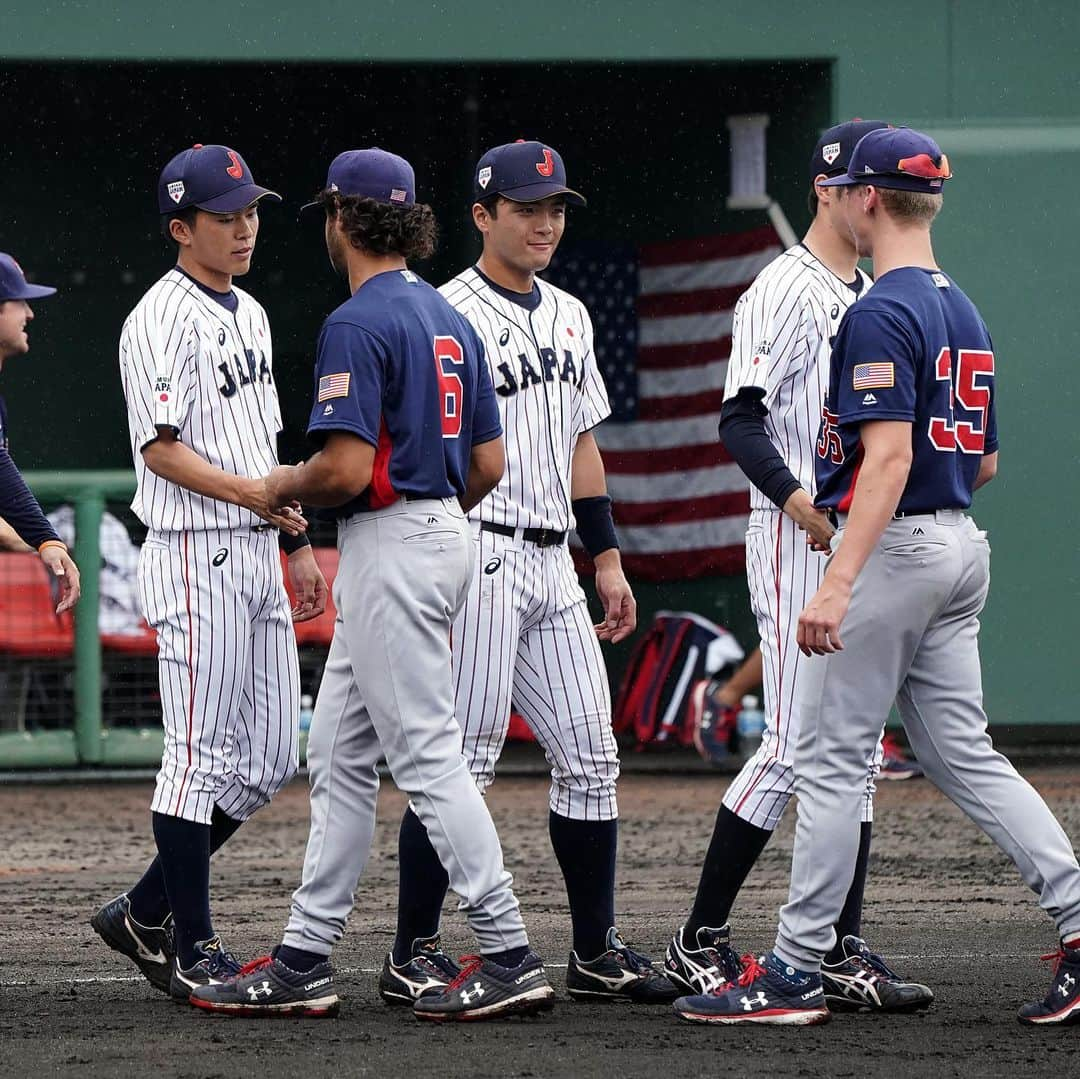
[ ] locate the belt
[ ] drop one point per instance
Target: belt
(542, 537)
(266, 526)
(836, 519)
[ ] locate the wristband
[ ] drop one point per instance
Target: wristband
(595, 526)
(53, 543)
(292, 544)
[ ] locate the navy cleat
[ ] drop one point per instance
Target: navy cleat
(619, 974)
(768, 991)
(862, 981)
(214, 967)
(267, 987)
(1062, 1001)
(150, 948)
(485, 990)
(429, 970)
(707, 967)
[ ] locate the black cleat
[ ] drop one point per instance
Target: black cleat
(430, 969)
(150, 948)
(213, 968)
(484, 990)
(707, 967)
(619, 974)
(862, 981)
(1062, 1001)
(266, 987)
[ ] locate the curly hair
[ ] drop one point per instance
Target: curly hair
(383, 229)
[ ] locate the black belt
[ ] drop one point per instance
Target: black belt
(542, 537)
(898, 516)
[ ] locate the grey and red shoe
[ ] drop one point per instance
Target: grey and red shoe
(485, 990)
(267, 987)
(1062, 1001)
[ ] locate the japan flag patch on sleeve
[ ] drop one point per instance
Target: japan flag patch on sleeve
(334, 386)
(874, 376)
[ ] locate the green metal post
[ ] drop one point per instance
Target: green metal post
(89, 509)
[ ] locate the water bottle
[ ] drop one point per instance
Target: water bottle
(306, 706)
(750, 725)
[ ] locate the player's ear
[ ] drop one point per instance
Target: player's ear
(824, 194)
(180, 231)
(480, 216)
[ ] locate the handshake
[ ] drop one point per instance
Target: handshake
(269, 498)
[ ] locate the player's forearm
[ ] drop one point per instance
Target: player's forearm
(987, 470)
(177, 463)
(321, 481)
(587, 478)
(877, 493)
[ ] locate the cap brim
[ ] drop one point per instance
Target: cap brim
(31, 292)
(887, 180)
(239, 198)
(536, 192)
(843, 180)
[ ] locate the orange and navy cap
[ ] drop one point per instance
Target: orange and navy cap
(899, 158)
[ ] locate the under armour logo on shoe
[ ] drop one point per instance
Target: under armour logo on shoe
(750, 1003)
(1067, 982)
(476, 994)
(261, 990)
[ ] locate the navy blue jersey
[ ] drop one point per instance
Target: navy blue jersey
(398, 366)
(915, 349)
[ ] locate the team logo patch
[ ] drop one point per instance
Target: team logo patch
(483, 177)
(940, 280)
(334, 385)
(830, 152)
(176, 191)
(397, 195)
(874, 376)
(547, 166)
(236, 166)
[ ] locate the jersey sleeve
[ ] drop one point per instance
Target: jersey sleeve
(990, 445)
(159, 355)
(592, 405)
(768, 336)
(350, 377)
(486, 422)
(876, 369)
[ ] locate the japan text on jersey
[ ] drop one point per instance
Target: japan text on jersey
(549, 392)
(397, 366)
(915, 350)
(200, 363)
(782, 332)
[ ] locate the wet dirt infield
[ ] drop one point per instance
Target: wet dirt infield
(942, 903)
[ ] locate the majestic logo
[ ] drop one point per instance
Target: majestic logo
(328, 411)
(483, 177)
(547, 166)
(433, 520)
(492, 565)
(869, 399)
(261, 990)
(476, 994)
(504, 336)
(236, 169)
(176, 191)
(830, 152)
(750, 1003)
(220, 557)
(916, 531)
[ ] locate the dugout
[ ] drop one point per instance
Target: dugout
(636, 96)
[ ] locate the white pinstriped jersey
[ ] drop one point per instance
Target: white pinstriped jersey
(549, 389)
(189, 363)
(781, 338)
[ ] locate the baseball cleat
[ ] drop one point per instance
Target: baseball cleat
(484, 990)
(429, 969)
(215, 967)
(1062, 1001)
(150, 948)
(862, 981)
(707, 967)
(767, 992)
(619, 974)
(895, 762)
(267, 987)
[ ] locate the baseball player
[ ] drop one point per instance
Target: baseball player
(908, 433)
(23, 526)
(196, 364)
(524, 634)
(777, 375)
(406, 417)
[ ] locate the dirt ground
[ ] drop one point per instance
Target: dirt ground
(942, 903)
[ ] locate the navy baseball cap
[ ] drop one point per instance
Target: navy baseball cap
(833, 150)
(213, 178)
(13, 283)
(899, 158)
(372, 174)
(522, 172)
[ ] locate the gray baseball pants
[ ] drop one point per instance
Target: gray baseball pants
(910, 634)
(387, 691)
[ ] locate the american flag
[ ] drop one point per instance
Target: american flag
(334, 385)
(662, 320)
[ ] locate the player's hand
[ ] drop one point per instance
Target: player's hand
(308, 585)
(67, 575)
(819, 623)
(265, 499)
(817, 526)
(620, 607)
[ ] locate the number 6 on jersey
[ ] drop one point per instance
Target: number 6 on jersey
(448, 350)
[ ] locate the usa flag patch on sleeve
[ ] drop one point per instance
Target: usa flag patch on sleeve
(873, 376)
(334, 386)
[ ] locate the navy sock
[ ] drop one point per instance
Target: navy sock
(511, 958)
(297, 959)
(585, 850)
(850, 920)
(735, 846)
(422, 885)
(184, 849)
(149, 899)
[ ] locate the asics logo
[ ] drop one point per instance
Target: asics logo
(140, 949)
